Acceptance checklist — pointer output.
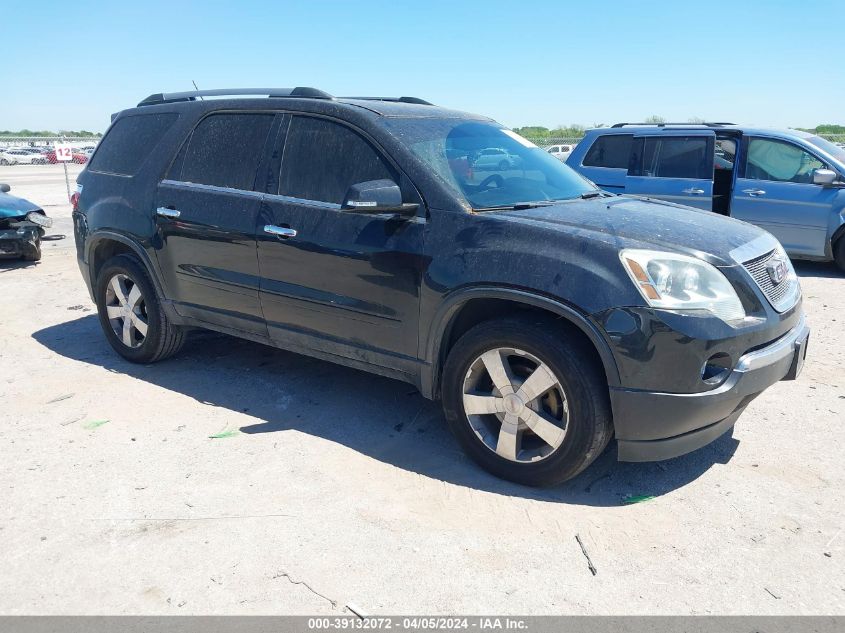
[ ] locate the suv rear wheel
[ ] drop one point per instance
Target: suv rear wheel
(525, 402)
(131, 315)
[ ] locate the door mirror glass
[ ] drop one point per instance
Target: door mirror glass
(824, 177)
(375, 196)
(5, 188)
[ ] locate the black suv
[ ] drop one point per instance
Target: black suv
(545, 314)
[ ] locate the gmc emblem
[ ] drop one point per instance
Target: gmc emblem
(776, 269)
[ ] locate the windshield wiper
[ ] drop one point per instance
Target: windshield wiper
(591, 194)
(519, 206)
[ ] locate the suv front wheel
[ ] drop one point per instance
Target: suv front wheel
(131, 315)
(526, 402)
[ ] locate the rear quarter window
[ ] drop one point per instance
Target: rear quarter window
(129, 142)
(611, 150)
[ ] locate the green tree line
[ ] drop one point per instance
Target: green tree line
(827, 128)
(41, 133)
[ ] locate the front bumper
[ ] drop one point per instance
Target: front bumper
(14, 240)
(656, 426)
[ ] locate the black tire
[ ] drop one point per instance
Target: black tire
(573, 362)
(32, 250)
(163, 338)
(839, 253)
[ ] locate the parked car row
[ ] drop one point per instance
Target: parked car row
(17, 156)
(40, 155)
(561, 152)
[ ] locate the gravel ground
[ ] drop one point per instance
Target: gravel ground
(239, 479)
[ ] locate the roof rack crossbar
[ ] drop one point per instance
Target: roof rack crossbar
(193, 95)
(686, 124)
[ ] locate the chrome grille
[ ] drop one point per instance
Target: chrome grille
(782, 296)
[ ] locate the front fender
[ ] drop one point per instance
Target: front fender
(443, 318)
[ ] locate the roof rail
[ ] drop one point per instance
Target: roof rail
(687, 124)
(193, 95)
(415, 100)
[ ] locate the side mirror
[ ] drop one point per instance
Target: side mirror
(824, 176)
(376, 196)
(4, 188)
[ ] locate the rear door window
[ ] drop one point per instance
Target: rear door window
(611, 150)
(322, 159)
(129, 142)
(224, 150)
(677, 157)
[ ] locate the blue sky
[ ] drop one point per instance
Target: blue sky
(521, 62)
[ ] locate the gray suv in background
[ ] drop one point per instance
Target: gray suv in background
(790, 183)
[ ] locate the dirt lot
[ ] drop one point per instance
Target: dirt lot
(240, 479)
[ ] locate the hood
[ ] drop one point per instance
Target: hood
(12, 207)
(628, 222)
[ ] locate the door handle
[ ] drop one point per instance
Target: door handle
(693, 192)
(280, 231)
(168, 213)
(754, 192)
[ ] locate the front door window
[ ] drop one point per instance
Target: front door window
(779, 161)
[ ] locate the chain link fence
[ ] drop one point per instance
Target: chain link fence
(549, 141)
(37, 150)
(834, 138)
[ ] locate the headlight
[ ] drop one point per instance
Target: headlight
(679, 282)
(39, 218)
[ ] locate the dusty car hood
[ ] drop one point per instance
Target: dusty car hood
(12, 207)
(640, 223)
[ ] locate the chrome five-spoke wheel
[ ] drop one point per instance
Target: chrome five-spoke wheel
(126, 310)
(515, 404)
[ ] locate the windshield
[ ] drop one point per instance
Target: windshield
(488, 165)
(831, 148)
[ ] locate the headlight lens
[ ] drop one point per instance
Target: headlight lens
(39, 218)
(680, 282)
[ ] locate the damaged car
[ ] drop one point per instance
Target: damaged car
(22, 226)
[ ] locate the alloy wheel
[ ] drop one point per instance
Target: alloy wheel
(515, 405)
(126, 310)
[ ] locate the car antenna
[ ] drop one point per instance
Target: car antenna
(197, 89)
